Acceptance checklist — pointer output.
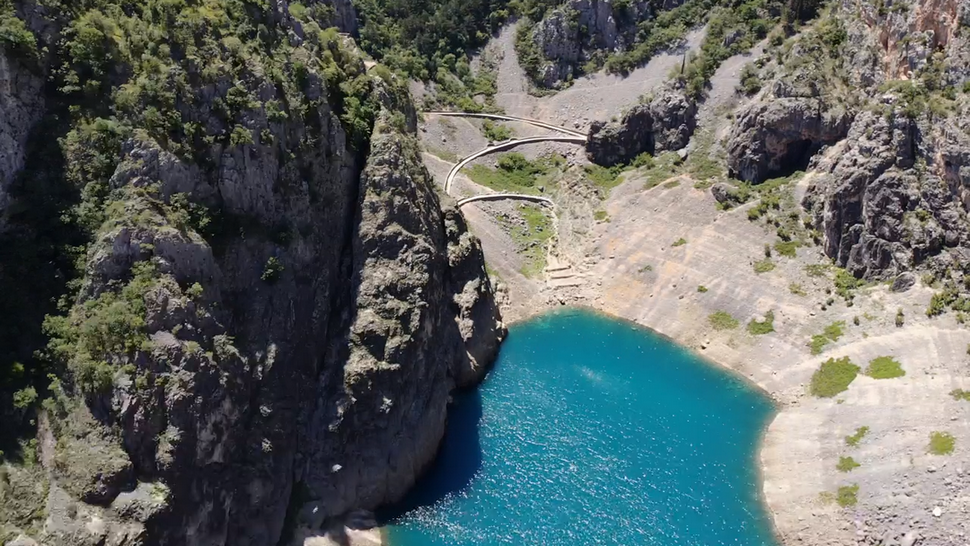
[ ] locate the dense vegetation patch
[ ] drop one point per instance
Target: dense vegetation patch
(847, 464)
(764, 266)
(430, 40)
(884, 367)
(762, 327)
(190, 77)
(847, 495)
(941, 443)
(515, 173)
(833, 377)
(722, 320)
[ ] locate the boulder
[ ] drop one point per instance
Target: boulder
(665, 122)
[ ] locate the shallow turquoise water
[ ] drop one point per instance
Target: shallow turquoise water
(591, 431)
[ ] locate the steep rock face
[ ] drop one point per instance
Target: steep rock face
(21, 106)
(328, 384)
(422, 321)
(894, 194)
(345, 16)
(881, 213)
(269, 319)
(568, 36)
(785, 126)
(664, 122)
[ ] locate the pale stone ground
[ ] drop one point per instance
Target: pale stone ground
(628, 267)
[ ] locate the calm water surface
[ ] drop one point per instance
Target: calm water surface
(591, 431)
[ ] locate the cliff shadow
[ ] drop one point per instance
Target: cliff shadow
(458, 461)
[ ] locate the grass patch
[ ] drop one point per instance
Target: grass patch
(445, 155)
(764, 266)
(606, 178)
(854, 439)
(532, 238)
(833, 377)
(941, 443)
(885, 367)
(787, 248)
(817, 270)
(831, 333)
(514, 173)
(671, 184)
(679, 242)
(834, 331)
(817, 344)
(645, 269)
(847, 495)
(601, 216)
(846, 284)
(847, 464)
(760, 328)
(797, 289)
(960, 394)
(659, 169)
(701, 288)
(722, 320)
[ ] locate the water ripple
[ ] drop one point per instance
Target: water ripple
(589, 432)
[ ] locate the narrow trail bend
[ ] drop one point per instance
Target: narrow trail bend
(504, 146)
(530, 121)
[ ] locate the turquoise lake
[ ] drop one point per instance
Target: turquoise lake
(590, 430)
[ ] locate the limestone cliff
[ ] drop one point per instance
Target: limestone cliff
(873, 99)
(273, 305)
(570, 35)
(21, 106)
(664, 121)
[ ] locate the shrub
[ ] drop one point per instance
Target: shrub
(848, 495)
(603, 177)
(834, 331)
(817, 270)
(853, 440)
(601, 216)
(759, 328)
(750, 81)
(847, 464)
(721, 320)
(24, 398)
(787, 248)
(495, 132)
(941, 443)
(764, 266)
(845, 283)
(272, 270)
(818, 343)
(833, 377)
(960, 394)
(884, 367)
(679, 242)
(899, 318)
(797, 289)
(701, 288)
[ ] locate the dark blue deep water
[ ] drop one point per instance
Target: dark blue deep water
(589, 431)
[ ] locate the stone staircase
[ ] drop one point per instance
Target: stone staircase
(561, 274)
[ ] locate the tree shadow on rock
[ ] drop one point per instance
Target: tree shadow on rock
(458, 461)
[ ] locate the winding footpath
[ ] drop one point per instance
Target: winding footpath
(505, 146)
(500, 117)
(570, 136)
